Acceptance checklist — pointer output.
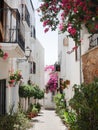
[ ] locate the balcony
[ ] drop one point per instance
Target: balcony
(93, 41)
(25, 16)
(12, 33)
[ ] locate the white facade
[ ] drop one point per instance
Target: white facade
(70, 68)
(70, 61)
(38, 58)
(25, 30)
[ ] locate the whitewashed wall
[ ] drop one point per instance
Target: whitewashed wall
(39, 59)
(70, 68)
(12, 96)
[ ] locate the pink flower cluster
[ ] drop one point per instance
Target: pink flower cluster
(75, 12)
(49, 67)
(73, 49)
(53, 82)
(45, 23)
(3, 55)
(61, 26)
(71, 30)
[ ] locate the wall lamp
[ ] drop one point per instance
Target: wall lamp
(27, 52)
(57, 66)
(27, 55)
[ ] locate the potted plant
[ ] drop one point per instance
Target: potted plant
(14, 77)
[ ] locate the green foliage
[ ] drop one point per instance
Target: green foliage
(38, 93)
(7, 122)
(26, 91)
(60, 102)
(31, 91)
(16, 120)
(33, 110)
(21, 121)
(69, 118)
(85, 104)
(36, 105)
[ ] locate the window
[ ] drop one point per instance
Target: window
(33, 33)
(34, 67)
(31, 68)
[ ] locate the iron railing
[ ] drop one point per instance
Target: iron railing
(93, 41)
(12, 29)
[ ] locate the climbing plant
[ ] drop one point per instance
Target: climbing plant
(69, 16)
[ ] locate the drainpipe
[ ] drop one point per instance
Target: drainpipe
(80, 66)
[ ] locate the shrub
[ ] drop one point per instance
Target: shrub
(85, 104)
(7, 122)
(60, 102)
(17, 120)
(38, 93)
(26, 91)
(21, 121)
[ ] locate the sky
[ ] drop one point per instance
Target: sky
(48, 40)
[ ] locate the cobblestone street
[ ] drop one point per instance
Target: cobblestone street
(48, 120)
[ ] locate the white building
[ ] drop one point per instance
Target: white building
(18, 33)
(71, 61)
(38, 64)
(70, 66)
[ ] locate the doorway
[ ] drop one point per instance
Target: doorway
(2, 97)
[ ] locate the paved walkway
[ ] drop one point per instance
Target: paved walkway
(48, 120)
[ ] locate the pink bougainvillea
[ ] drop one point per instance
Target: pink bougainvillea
(73, 12)
(52, 84)
(49, 67)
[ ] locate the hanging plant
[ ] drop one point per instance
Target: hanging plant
(14, 77)
(65, 83)
(3, 54)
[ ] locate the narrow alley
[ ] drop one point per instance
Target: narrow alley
(48, 120)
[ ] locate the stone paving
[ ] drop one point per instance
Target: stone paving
(48, 120)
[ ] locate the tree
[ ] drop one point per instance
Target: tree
(70, 15)
(28, 91)
(38, 93)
